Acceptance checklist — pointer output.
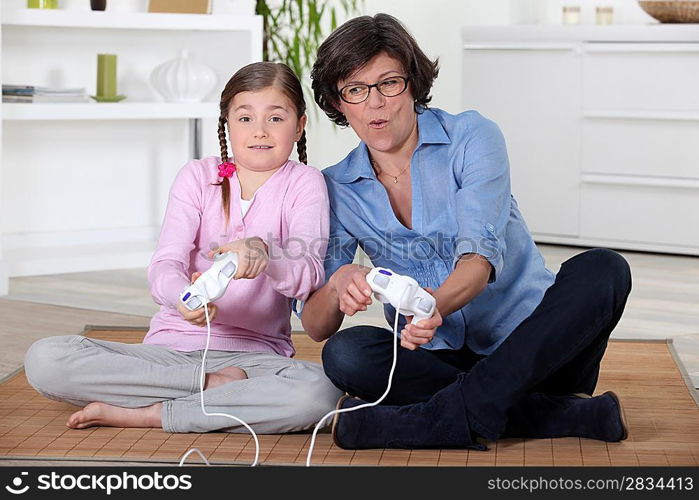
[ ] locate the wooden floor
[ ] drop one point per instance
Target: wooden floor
(662, 414)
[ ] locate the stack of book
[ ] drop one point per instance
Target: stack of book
(31, 93)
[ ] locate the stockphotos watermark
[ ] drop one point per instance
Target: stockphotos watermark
(107, 483)
(392, 246)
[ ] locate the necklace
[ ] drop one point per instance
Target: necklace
(395, 177)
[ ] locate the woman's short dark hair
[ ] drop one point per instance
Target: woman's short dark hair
(351, 46)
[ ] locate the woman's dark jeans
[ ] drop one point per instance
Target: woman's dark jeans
(556, 350)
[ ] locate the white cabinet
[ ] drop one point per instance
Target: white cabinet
(602, 127)
(84, 186)
(533, 94)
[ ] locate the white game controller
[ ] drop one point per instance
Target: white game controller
(402, 292)
(212, 284)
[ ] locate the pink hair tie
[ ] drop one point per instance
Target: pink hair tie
(226, 169)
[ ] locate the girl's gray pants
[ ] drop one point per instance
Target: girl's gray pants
(280, 394)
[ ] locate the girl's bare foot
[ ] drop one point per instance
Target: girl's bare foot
(104, 415)
(224, 376)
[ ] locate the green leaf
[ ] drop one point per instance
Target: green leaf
(260, 6)
(313, 19)
(279, 55)
(294, 29)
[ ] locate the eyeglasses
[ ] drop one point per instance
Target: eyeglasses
(359, 92)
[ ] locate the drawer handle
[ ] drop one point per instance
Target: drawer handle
(548, 47)
(641, 115)
(629, 180)
(624, 48)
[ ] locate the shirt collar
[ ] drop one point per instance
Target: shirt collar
(430, 131)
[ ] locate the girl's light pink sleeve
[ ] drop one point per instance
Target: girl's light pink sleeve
(295, 267)
(168, 272)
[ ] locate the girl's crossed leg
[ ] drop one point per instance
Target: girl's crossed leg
(140, 385)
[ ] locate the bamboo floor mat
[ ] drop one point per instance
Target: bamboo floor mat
(661, 411)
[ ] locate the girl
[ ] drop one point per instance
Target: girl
(273, 212)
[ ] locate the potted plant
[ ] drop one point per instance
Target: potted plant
(293, 29)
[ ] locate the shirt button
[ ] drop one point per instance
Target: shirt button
(490, 228)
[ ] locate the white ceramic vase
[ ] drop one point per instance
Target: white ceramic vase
(183, 79)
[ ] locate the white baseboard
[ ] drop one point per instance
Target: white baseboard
(79, 258)
(51, 239)
(34, 254)
(616, 244)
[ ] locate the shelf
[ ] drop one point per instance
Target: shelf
(108, 111)
(129, 20)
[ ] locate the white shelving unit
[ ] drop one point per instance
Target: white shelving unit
(108, 111)
(131, 20)
(90, 20)
(58, 48)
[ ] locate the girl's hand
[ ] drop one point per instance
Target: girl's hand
(353, 292)
(413, 336)
(197, 317)
(253, 256)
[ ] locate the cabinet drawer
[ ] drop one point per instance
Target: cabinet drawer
(663, 148)
(641, 76)
(638, 213)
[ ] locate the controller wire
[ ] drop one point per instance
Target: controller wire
(365, 405)
(203, 409)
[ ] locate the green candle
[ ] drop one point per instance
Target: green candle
(106, 75)
(42, 4)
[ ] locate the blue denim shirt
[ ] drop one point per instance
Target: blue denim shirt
(462, 203)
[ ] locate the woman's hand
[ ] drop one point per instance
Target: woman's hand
(353, 292)
(198, 316)
(413, 336)
(253, 256)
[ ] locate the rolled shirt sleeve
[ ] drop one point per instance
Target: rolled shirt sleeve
(483, 199)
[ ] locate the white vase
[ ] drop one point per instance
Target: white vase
(183, 79)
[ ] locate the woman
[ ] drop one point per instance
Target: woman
(512, 350)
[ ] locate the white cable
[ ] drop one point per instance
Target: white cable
(365, 405)
(192, 451)
(201, 385)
